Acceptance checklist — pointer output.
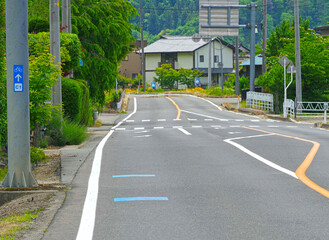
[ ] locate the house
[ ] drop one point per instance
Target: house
(129, 67)
(323, 30)
(245, 71)
(183, 52)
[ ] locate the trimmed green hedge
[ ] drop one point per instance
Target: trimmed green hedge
(75, 97)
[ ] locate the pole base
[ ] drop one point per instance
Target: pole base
(23, 180)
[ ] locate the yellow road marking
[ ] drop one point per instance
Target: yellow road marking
(300, 172)
(178, 109)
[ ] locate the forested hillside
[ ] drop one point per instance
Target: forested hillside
(180, 17)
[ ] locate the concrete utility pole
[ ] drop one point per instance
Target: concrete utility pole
(65, 17)
(209, 64)
(252, 46)
(297, 55)
(142, 44)
(237, 86)
(19, 168)
(264, 35)
(55, 48)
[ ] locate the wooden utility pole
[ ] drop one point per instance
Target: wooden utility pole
(264, 35)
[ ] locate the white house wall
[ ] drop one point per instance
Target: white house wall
(227, 56)
(184, 60)
(151, 63)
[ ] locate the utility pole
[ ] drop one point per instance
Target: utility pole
(142, 44)
(69, 16)
(252, 46)
(55, 48)
(209, 64)
(18, 114)
(65, 17)
(264, 35)
(297, 55)
(237, 87)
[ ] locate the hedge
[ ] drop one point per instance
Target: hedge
(75, 98)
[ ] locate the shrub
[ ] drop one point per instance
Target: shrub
(37, 155)
(72, 99)
(74, 133)
(37, 25)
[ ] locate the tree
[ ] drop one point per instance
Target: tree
(106, 34)
(166, 76)
(187, 76)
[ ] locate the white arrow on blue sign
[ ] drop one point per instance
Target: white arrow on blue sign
(18, 78)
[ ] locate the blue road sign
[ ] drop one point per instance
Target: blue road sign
(81, 62)
(197, 81)
(18, 78)
(153, 85)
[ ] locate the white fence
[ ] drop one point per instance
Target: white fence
(312, 108)
(290, 107)
(258, 100)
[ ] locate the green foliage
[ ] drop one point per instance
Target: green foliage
(43, 75)
(217, 91)
(3, 173)
(105, 33)
(169, 78)
(71, 133)
(128, 82)
(70, 49)
(37, 25)
(3, 89)
(37, 155)
(75, 96)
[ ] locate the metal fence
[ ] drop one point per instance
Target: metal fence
(290, 106)
(258, 100)
(312, 108)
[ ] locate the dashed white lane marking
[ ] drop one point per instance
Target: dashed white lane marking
(256, 156)
(209, 120)
(87, 222)
(234, 132)
(143, 136)
(272, 126)
(235, 126)
(146, 120)
(184, 131)
(255, 120)
(196, 126)
(202, 115)
(120, 129)
(216, 126)
(191, 119)
(177, 127)
(177, 119)
(224, 120)
(162, 120)
(130, 121)
(158, 128)
(239, 120)
(291, 126)
(142, 132)
(139, 128)
(254, 126)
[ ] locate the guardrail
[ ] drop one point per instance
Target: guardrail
(258, 100)
(312, 108)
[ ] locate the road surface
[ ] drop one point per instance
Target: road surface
(181, 168)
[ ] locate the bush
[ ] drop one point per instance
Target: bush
(37, 25)
(37, 155)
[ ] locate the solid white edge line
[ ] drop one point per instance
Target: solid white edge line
(87, 222)
(184, 131)
(259, 158)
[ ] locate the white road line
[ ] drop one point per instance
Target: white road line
(196, 126)
(158, 128)
(291, 126)
(254, 126)
(139, 128)
(177, 126)
(202, 115)
(130, 121)
(146, 120)
(239, 120)
(216, 126)
(254, 120)
(224, 120)
(142, 132)
(162, 120)
(235, 126)
(191, 119)
(272, 126)
(87, 222)
(177, 119)
(120, 129)
(143, 136)
(256, 156)
(234, 132)
(184, 131)
(209, 120)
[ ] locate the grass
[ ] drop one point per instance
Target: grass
(74, 133)
(11, 225)
(3, 172)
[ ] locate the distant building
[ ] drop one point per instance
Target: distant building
(129, 66)
(245, 71)
(183, 52)
(323, 30)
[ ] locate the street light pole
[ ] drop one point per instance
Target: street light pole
(142, 44)
(264, 35)
(18, 114)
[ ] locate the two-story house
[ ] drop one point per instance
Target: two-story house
(183, 52)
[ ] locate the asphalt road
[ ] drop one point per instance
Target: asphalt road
(181, 168)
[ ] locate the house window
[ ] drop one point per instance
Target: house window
(201, 58)
(168, 57)
(216, 58)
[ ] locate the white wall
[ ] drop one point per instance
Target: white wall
(215, 50)
(152, 60)
(184, 60)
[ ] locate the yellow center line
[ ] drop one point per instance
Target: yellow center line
(300, 172)
(178, 109)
